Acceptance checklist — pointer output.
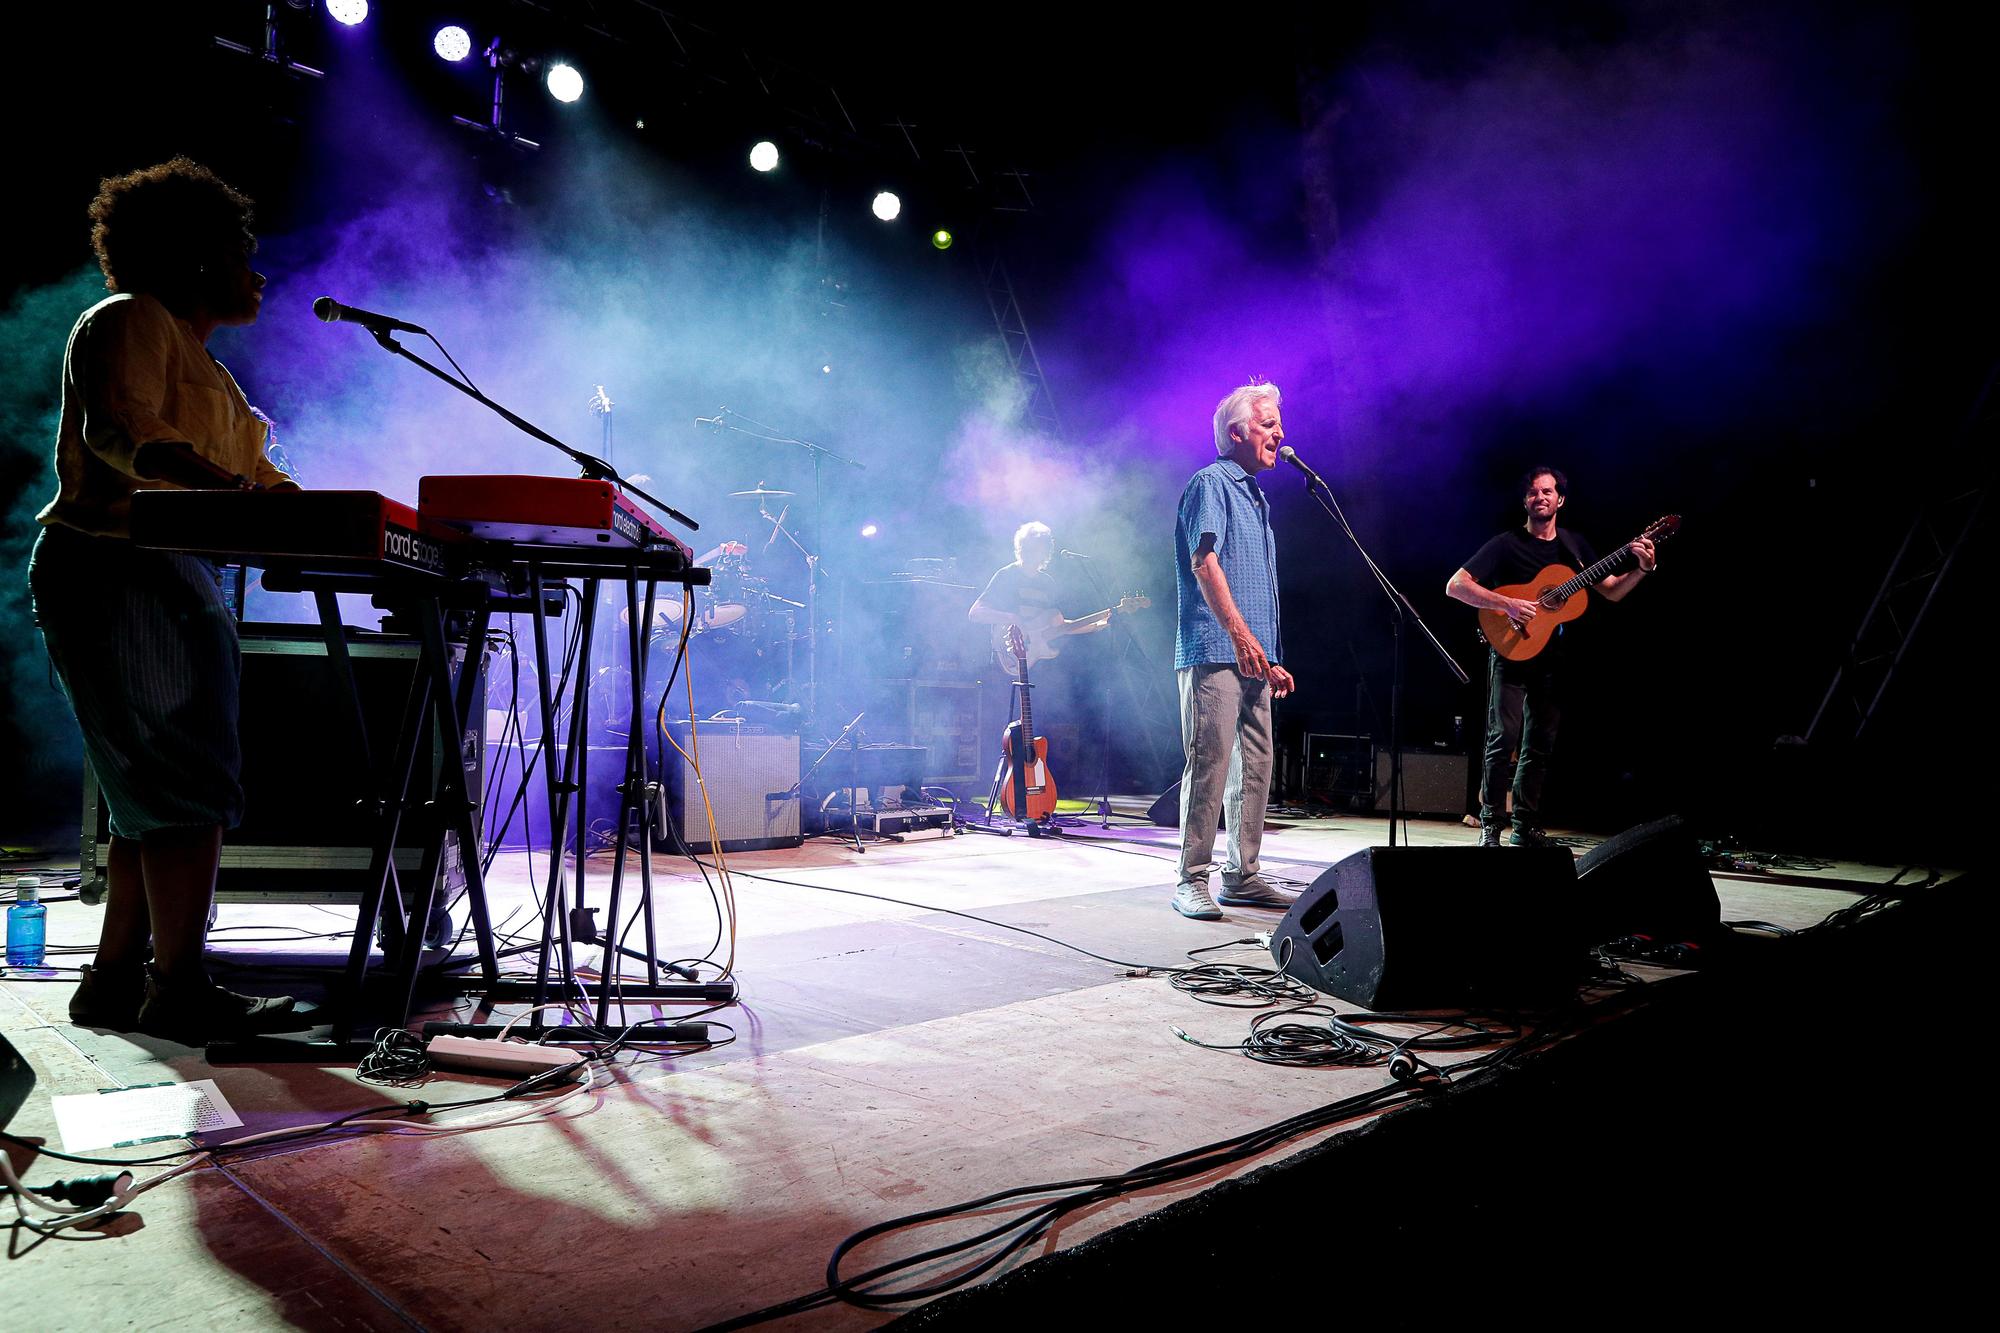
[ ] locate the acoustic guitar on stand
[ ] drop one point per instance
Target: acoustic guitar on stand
(1042, 634)
(1027, 788)
(1559, 591)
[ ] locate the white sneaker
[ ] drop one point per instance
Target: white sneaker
(1254, 893)
(1192, 900)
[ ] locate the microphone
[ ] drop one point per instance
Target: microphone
(332, 311)
(1072, 555)
(1287, 453)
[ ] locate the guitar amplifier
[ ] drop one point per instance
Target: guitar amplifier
(1434, 782)
(752, 777)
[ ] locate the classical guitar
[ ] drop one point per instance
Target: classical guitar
(1559, 590)
(1042, 631)
(1027, 789)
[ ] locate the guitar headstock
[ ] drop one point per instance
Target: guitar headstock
(1661, 528)
(1137, 601)
(1016, 644)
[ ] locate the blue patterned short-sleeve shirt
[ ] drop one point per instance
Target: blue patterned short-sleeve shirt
(1226, 501)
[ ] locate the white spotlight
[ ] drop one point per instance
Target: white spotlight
(887, 206)
(452, 43)
(349, 12)
(565, 84)
(764, 156)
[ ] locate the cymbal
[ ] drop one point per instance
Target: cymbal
(760, 493)
(916, 580)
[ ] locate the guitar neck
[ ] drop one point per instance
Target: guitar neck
(1596, 573)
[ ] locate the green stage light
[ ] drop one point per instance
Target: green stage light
(941, 239)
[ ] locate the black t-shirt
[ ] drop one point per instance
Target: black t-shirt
(1021, 592)
(1515, 557)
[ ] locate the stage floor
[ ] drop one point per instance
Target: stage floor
(888, 1058)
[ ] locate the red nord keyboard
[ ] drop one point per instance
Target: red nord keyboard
(340, 529)
(541, 511)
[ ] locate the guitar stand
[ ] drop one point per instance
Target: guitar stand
(1013, 745)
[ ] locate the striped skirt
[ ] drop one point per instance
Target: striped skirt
(147, 654)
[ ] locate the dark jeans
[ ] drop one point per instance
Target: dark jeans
(1523, 710)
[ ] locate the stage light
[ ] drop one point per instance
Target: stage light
(349, 12)
(887, 206)
(764, 156)
(826, 370)
(565, 84)
(941, 239)
(869, 529)
(452, 43)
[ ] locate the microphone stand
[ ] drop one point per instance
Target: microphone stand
(590, 465)
(1406, 614)
(1127, 645)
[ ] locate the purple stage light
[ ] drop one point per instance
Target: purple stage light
(869, 529)
(452, 43)
(348, 12)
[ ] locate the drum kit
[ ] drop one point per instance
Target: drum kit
(743, 635)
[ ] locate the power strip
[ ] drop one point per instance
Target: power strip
(501, 1057)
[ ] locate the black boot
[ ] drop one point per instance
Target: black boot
(109, 997)
(201, 1012)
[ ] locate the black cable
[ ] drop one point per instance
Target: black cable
(1032, 1224)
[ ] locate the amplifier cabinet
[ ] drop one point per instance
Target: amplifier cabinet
(306, 833)
(752, 776)
(1434, 782)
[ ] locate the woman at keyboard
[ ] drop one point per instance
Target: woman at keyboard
(141, 640)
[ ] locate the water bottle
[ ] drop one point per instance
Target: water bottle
(27, 924)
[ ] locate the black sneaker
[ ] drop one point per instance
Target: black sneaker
(109, 997)
(198, 1014)
(1529, 836)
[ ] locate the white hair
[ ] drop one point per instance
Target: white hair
(1027, 532)
(1234, 411)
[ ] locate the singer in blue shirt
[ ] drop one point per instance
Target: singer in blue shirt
(1226, 654)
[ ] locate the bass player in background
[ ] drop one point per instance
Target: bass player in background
(1025, 594)
(1524, 699)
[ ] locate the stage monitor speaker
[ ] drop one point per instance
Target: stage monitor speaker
(1649, 880)
(1393, 928)
(752, 776)
(1166, 811)
(17, 1080)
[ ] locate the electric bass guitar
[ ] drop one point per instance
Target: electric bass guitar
(1027, 788)
(1559, 591)
(1042, 631)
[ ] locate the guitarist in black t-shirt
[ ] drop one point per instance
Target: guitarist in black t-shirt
(1524, 698)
